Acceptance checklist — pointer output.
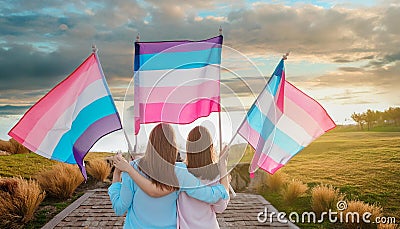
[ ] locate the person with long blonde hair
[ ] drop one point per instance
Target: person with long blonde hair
(157, 168)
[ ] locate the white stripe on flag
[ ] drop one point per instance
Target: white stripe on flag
(174, 77)
(181, 94)
(92, 93)
(294, 130)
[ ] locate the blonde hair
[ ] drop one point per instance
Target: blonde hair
(159, 160)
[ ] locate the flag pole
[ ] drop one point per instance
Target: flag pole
(284, 57)
(219, 113)
(220, 131)
(94, 51)
(135, 146)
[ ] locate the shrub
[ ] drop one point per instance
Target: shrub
(15, 147)
(293, 190)
(361, 207)
(99, 169)
(61, 180)
(5, 146)
(276, 181)
(324, 197)
(19, 198)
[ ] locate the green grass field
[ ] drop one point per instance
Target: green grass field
(28, 165)
(364, 165)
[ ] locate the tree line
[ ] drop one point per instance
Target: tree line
(370, 118)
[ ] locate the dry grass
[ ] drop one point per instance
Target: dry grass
(99, 169)
(293, 190)
(19, 198)
(388, 226)
(16, 147)
(361, 208)
(4, 146)
(324, 197)
(275, 182)
(61, 180)
(13, 147)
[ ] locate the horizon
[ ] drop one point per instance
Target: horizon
(344, 55)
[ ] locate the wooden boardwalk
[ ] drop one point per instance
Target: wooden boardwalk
(93, 210)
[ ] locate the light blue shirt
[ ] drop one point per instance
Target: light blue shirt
(144, 211)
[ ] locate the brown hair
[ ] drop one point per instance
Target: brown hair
(200, 155)
(159, 160)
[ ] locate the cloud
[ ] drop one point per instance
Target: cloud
(23, 67)
(42, 42)
(13, 110)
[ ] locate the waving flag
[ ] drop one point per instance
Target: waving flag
(176, 81)
(282, 121)
(68, 120)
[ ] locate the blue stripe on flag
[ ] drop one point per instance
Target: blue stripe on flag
(86, 117)
(178, 60)
(276, 78)
(279, 69)
(260, 123)
(273, 84)
(263, 125)
(286, 143)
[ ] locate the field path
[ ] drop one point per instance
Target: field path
(93, 210)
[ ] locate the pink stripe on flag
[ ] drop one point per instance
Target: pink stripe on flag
(302, 118)
(252, 136)
(48, 109)
(187, 113)
(268, 164)
(281, 93)
(179, 94)
(312, 107)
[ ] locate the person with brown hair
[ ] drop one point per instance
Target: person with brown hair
(157, 168)
(201, 162)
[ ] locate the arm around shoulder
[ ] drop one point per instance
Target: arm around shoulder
(194, 188)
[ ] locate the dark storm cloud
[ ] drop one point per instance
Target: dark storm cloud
(21, 67)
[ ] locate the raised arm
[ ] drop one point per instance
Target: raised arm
(194, 188)
(121, 192)
(223, 171)
(144, 183)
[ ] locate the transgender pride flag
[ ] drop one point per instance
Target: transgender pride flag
(68, 120)
(282, 121)
(176, 81)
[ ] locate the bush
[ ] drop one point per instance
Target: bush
(99, 169)
(61, 180)
(324, 197)
(16, 147)
(19, 198)
(293, 190)
(361, 207)
(5, 146)
(276, 181)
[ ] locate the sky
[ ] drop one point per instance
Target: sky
(344, 54)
